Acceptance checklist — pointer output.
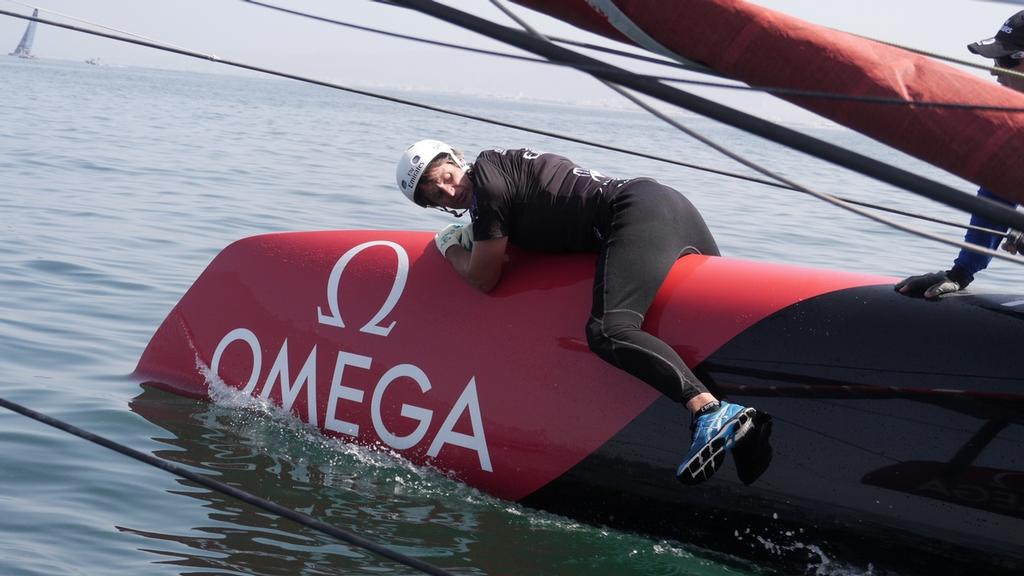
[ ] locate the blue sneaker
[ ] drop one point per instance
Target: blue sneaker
(714, 434)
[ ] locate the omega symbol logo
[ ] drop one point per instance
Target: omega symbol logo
(375, 324)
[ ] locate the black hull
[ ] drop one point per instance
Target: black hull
(882, 443)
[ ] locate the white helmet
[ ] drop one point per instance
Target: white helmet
(414, 161)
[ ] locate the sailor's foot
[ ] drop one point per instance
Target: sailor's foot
(754, 453)
(714, 434)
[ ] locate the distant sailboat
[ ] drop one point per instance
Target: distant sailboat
(24, 49)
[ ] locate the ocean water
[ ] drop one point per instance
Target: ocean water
(119, 185)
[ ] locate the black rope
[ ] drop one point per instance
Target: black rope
(922, 217)
(535, 33)
(790, 92)
(665, 62)
(223, 488)
(809, 145)
(546, 133)
(991, 69)
(392, 99)
(816, 95)
(640, 57)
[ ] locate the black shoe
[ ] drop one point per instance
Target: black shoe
(754, 453)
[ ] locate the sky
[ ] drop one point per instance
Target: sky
(239, 31)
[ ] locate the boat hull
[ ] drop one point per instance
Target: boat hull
(897, 422)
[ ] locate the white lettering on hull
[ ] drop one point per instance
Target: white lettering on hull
(339, 393)
(421, 415)
(345, 400)
(290, 390)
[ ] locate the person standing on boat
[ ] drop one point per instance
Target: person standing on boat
(1007, 49)
(638, 228)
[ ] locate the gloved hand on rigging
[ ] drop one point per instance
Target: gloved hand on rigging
(933, 285)
(1014, 243)
(454, 234)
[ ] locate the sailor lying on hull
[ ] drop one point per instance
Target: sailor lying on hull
(1007, 49)
(638, 228)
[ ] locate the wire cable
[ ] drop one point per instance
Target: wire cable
(141, 41)
(779, 134)
(395, 100)
(807, 144)
(223, 488)
(693, 134)
(728, 153)
(642, 104)
(659, 114)
(75, 19)
(795, 93)
(158, 45)
(951, 59)
(790, 92)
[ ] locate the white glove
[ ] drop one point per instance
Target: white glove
(466, 237)
(454, 234)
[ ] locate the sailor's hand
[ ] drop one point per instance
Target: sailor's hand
(466, 237)
(928, 285)
(454, 234)
(1014, 243)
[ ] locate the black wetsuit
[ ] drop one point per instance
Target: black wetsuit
(639, 228)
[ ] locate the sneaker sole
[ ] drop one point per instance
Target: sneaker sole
(709, 459)
(754, 454)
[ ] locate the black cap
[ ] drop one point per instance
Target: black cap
(1009, 40)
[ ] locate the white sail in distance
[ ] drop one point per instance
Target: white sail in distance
(24, 49)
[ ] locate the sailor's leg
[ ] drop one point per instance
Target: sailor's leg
(652, 226)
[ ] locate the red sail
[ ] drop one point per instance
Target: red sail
(767, 48)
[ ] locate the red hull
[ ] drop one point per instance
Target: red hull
(499, 388)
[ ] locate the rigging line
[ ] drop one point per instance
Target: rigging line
(650, 110)
(727, 153)
(483, 50)
(881, 100)
(184, 52)
(808, 144)
(921, 216)
(397, 35)
(608, 50)
(811, 94)
(490, 52)
(640, 57)
(658, 114)
(69, 17)
(199, 55)
(619, 90)
(522, 23)
(223, 488)
(793, 92)
(392, 99)
(192, 54)
(753, 165)
(231, 491)
(814, 94)
(951, 59)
